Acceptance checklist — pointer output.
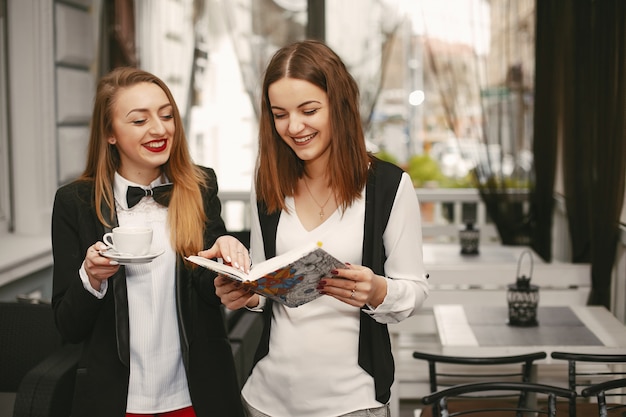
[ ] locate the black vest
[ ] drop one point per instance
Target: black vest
(375, 355)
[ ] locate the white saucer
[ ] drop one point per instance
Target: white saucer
(125, 258)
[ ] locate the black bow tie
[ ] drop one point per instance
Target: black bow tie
(161, 194)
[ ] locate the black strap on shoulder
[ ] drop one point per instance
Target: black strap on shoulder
(375, 355)
(382, 186)
(269, 227)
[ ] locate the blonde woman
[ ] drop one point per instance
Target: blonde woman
(153, 335)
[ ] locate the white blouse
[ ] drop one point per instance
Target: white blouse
(311, 369)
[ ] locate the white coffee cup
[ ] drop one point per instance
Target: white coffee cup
(133, 241)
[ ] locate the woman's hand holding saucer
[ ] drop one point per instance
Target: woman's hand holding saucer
(97, 267)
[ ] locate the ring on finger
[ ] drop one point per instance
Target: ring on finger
(353, 292)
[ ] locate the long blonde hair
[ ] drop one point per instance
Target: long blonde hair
(186, 215)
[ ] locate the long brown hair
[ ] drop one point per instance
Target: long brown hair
(186, 216)
(278, 167)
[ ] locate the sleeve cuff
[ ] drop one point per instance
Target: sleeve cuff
(259, 307)
(87, 285)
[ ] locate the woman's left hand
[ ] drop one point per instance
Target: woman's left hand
(231, 250)
(355, 285)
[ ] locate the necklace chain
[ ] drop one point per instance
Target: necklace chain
(321, 206)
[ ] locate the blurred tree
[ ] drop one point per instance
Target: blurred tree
(387, 156)
(423, 170)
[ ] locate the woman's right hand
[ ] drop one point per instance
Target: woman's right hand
(234, 295)
(98, 267)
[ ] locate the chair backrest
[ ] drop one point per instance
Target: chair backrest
(523, 390)
(586, 369)
(447, 371)
(614, 388)
(27, 336)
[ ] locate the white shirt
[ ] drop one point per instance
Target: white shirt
(312, 367)
(158, 380)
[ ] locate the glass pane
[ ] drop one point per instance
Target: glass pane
(446, 90)
(460, 89)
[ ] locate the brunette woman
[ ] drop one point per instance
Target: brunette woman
(315, 181)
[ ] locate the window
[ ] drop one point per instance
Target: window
(28, 176)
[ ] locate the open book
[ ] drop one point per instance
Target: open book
(290, 279)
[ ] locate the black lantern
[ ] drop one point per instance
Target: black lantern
(523, 297)
(469, 237)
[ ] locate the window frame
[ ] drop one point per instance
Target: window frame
(5, 170)
(25, 246)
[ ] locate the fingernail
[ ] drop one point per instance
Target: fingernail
(228, 259)
(114, 263)
(334, 272)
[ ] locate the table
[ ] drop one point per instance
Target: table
(591, 329)
(483, 280)
(489, 273)
(442, 256)
(471, 330)
(482, 330)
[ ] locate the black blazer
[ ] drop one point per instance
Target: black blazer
(103, 327)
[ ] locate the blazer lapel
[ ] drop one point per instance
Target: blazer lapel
(120, 300)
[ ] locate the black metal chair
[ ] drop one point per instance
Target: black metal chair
(34, 363)
(447, 371)
(521, 390)
(585, 370)
(41, 371)
(47, 390)
(614, 388)
(27, 336)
